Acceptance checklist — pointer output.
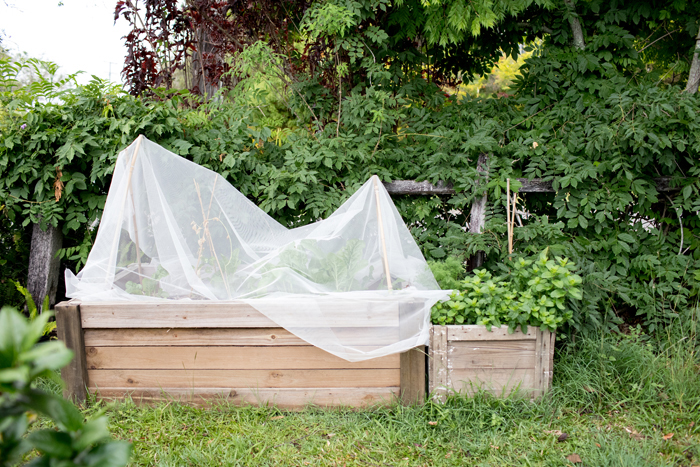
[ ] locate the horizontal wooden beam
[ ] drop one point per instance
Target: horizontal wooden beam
(193, 379)
(411, 187)
(194, 337)
(285, 398)
(232, 314)
(225, 358)
(536, 185)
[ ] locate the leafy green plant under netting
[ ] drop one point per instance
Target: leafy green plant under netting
(536, 292)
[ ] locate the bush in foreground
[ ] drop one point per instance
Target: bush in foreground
(22, 362)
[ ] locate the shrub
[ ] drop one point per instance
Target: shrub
(448, 273)
(22, 362)
(635, 242)
(535, 293)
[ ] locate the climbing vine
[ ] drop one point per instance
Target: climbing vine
(602, 129)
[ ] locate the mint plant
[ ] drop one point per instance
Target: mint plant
(535, 293)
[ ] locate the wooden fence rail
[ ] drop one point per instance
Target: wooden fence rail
(536, 185)
(44, 267)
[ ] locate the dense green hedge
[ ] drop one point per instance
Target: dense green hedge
(600, 138)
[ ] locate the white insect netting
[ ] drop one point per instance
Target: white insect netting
(173, 230)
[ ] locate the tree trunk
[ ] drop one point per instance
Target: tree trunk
(199, 79)
(44, 266)
(575, 26)
(694, 73)
(477, 217)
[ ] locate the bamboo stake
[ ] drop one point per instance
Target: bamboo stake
(200, 251)
(207, 235)
(139, 139)
(136, 231)
(508, 225)
(381, 233)
(211, 199)
(512, 220)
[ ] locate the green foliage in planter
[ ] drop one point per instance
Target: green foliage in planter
(309, 258)
(74, 442)
(535, 293)
(149, 286)
(448, 273)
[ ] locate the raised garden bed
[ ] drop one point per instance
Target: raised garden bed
(467, 358)
(199, 351)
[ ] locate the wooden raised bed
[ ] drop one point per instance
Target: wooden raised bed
(198, 351)
(467, 358)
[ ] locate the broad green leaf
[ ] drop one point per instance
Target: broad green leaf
(60, 410)
(93, 431)
(114, 454)
(52, 443)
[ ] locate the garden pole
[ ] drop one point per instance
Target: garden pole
(381, 233)
(121, 213)
(136, 231)
(510, 227)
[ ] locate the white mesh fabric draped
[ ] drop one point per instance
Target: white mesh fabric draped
(173, 230)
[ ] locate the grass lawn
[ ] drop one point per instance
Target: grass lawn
(618, 401)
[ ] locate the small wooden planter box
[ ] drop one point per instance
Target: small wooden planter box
(467, 358)
(197, 351)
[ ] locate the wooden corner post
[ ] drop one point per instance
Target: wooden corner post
(411, 362)
(70, 331)
(438, 364)
(412, 373)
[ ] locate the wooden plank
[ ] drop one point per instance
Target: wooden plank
(477, 332)
(499, 382)
(535, 185)
(538, 365)
(413, 376)
(439, 377)
(411, 187)
(553, 339)
(287, 398)
(664, 184)
(244, 378)
(228, 336)
(193, 337)
(208, 314)
(69, 331)
(494, 354)
(174, 314)
(225, 358)
(547, 360)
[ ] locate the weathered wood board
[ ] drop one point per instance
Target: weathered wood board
(287, 398)
(199, 353)
(469, 358)
(535, 185)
